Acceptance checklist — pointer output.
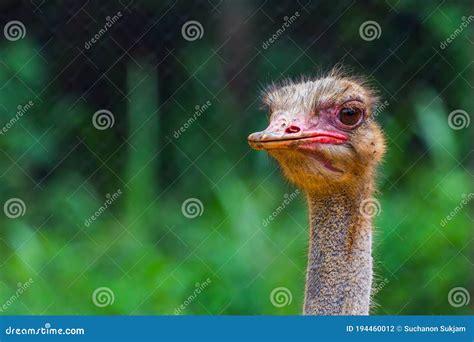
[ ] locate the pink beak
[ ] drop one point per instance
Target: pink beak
(266, 140)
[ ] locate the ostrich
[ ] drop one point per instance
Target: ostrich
(322, 134)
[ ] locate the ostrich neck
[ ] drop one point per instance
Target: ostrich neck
(339, 274)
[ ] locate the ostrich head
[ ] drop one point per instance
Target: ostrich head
(321, 132)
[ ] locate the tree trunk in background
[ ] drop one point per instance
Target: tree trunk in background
(143, 137)
(236, 27)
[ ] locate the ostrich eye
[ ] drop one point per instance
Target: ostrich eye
(350, 116)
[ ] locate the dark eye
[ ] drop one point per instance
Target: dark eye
(350, 116)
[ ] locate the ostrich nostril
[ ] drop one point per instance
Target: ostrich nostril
(292, 129)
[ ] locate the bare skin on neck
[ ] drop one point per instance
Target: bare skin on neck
(322, 134)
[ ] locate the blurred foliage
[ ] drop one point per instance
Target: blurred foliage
(151, 79)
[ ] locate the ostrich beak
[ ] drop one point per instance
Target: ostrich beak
(266, 140)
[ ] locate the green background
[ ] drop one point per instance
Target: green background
(142, 69)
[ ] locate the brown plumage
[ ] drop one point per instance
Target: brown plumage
(322, 134)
